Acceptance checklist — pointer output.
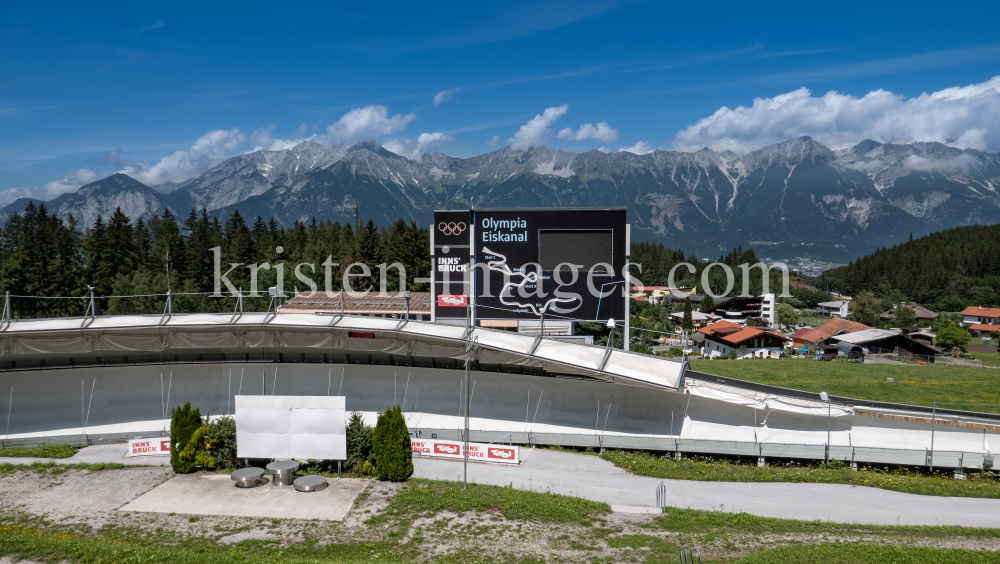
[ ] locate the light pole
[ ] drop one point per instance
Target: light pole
(611, 338)
(826, 398)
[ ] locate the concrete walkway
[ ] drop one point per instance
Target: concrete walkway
(96, 454)
(593, 478)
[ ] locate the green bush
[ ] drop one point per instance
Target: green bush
(391, 447)
(359, 442)
(195, 452)
(184, 422)
(222, 442)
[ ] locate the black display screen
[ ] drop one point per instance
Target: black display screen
(585, 247)
(513, 255)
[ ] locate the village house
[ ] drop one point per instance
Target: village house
(724, 337)
(922, 314)
(740, 309)
(819, 335)
(979, 314)
(837, 308)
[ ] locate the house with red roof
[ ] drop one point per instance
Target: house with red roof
(979, 314)
(797, 337)
(977, 329)
(725, 337)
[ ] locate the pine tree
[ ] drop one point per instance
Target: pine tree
(98, 260)
(167, 254)
(391, 446)
(687, 324)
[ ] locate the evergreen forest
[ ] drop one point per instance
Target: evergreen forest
(944, 271)
(44, 256)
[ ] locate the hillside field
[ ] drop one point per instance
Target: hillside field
(970, 389)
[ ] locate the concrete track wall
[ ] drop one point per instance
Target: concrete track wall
(51, 399)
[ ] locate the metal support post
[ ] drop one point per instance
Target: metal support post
(10, 405)
(468, 398)
(933, 420)
(829, 419)
(628, 310)
(6, 310)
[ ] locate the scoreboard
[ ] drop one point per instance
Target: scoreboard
(517, 263)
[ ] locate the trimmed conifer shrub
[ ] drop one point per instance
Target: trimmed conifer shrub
(359, 442)
(391, 447)
(222, 442)
(183, 423)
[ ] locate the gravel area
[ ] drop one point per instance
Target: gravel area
(88, 501)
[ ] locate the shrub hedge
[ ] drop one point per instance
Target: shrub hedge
(183, 424)
(391, 446)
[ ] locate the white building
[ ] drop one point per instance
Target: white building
(979, 314)
(837, 308)
(767, 309)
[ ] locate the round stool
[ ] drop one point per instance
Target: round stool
(311, 484)
(248, 477)
(282, 472)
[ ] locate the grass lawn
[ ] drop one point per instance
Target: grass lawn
(53, 468)
(436, 521)
(45, 451)
(843, 553)
(971, 389)
(976, 484)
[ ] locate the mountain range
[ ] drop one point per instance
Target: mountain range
(797, 198)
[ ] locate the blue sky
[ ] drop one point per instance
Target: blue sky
(165, 91)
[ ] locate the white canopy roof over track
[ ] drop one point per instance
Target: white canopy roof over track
(222, 332)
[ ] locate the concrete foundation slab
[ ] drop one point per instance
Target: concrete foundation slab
(215, 494)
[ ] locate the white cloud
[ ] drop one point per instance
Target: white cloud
(209, 150)
(426, 143)
(924, 164)
(640, 148)
(366, 124)
(536, 132)
(966, 117)
(263, 141)
(603, 132)
(494, 141)
(71, 182)
(445, 95)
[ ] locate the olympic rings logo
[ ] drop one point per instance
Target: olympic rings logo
(452, 228)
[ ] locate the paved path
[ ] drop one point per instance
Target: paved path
(96, 454)
(593, 478)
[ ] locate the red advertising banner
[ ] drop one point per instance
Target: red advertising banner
(452, 300)
(477, 451)
(148, 447)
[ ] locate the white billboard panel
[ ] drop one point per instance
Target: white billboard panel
(301, 427)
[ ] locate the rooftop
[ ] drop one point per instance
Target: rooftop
(979, 311)
(370, 303)
(831, 328)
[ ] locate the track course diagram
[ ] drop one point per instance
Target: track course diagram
(526, 278)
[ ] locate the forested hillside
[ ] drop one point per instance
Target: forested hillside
(657, 261)
(944, 271)
(43, 255)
